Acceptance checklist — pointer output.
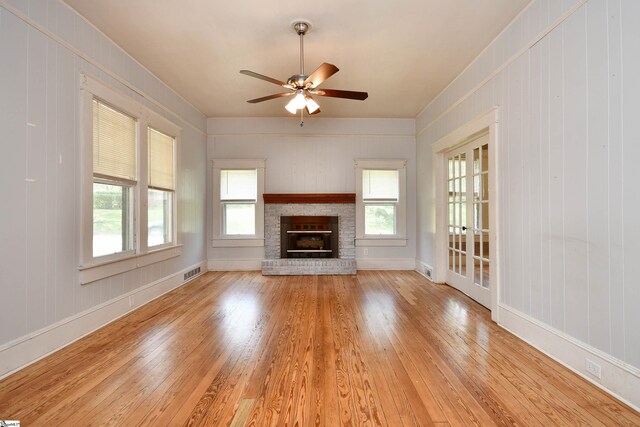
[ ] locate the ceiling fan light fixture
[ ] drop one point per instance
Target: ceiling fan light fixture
(312, 105)
(297, 103)
(291, 107)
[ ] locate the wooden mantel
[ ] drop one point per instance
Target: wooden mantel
(310, 198)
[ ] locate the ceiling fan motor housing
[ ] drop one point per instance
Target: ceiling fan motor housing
(297, 80)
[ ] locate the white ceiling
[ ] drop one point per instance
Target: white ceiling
(402, 52)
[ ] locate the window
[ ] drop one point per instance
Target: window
(161, 187)
(238, 195)
(128, 183)
(380, 203)
(380, 195)
(114, 178)
(238, 206)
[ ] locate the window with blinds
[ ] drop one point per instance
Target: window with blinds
(161, 186)
(114, 174)
(238, 195)
(161, 160)
(114, 143)
(380, 194)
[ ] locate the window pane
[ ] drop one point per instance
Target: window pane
(379, 219)
(111, 219)
(114, 143)
(160, 160)
(239, 185)
(486, 276)
(477, 271)
(380, 184)
(239, 218)
(159, 217)
(485, 158)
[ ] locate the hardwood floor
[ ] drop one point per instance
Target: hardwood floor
(382, 348)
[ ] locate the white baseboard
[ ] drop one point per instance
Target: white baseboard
(255, 264)
(618, 378)
(386, 263)
(30, 348)
(235, 264)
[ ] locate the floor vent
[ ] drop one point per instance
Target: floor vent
(429, 273)
(190, 274)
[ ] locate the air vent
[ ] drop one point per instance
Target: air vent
(429, 273)
(189, 274)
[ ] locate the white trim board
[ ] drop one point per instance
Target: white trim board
(386, 263)
(30, 348)
(618, 378)
(235, 264)
(255, 264)
(280, 126)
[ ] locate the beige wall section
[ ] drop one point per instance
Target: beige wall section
(44, 46)
(317, 158)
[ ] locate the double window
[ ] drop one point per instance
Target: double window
(380, 202)
(238, 211)
(129, 208)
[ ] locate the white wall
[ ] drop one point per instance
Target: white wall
(565, 77)
(44, 45)
(317, 158)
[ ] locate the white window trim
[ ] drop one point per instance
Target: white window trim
(95, 268)
(219, 239)
(400, 237)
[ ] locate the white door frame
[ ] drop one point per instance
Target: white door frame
(465, 133)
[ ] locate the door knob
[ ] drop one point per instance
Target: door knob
(464, 228)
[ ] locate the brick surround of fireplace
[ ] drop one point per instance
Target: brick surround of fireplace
(344, 208)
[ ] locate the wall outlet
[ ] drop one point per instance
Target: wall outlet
(366, 251)
(593, 368)
(131, 301)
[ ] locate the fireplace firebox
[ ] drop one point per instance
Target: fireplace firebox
(309, 237)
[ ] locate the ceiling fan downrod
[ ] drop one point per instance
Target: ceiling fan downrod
(301, 28)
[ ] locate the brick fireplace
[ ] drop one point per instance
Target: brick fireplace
(307, 208)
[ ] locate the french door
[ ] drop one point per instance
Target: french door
(470, 245)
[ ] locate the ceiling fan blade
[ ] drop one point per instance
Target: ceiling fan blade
(321, 74)
(266, 98)
(348, 94)
(265, 78)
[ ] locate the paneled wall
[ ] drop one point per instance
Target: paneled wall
(564, 75)
(317, 158)
(44, 46)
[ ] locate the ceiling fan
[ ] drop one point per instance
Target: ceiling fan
(303, 86)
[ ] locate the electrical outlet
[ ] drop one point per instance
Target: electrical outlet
(131, 301)
(593, 368)
(366, 251)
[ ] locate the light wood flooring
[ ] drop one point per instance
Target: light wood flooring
(379, 348)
